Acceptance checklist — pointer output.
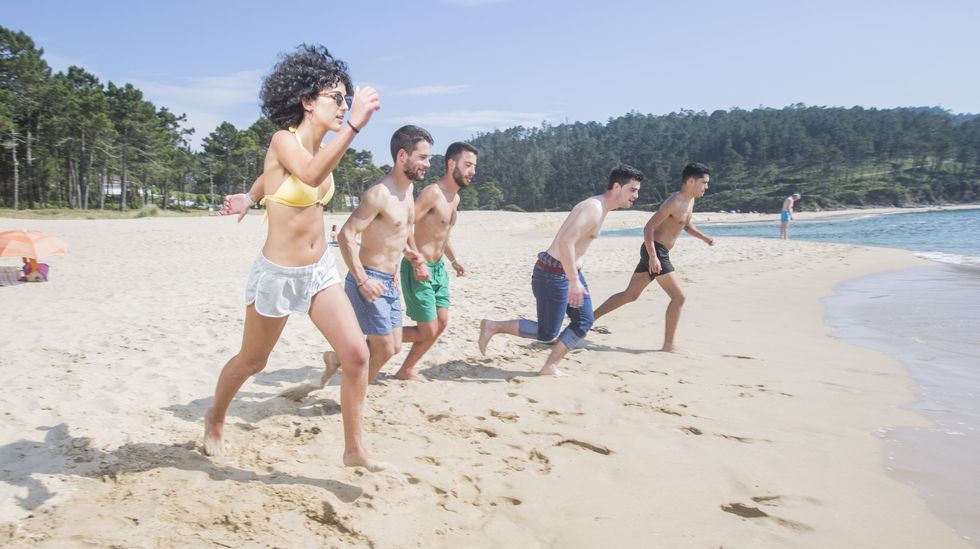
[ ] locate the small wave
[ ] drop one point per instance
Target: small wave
(955, 259)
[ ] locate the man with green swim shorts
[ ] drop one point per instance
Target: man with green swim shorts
(426, 288)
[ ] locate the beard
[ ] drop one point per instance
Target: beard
(414, 173)
(458, 178)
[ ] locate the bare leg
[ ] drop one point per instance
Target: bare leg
(783, 230)
(490, 328)
(332, 314)
(422, 337)
(558, 352)
(259, 337)
(638, 283)
(670, 285)
(382, 347)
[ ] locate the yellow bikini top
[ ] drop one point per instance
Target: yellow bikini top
(293, 192)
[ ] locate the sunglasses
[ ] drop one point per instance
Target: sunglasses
(338, 97)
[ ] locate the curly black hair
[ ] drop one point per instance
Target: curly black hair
(297, 76)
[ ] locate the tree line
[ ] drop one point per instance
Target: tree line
(834, 157)
(68, 140)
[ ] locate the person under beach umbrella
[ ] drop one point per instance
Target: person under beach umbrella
(30, 244)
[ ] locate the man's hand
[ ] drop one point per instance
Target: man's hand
(421, 271)
(654, 265)
(709, 241)
(366, 101)
(576, 294)
(236, 204)
(458, 267)
(371, 289)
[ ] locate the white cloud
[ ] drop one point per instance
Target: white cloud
(427, 91)
(475, 121)
(207, 101)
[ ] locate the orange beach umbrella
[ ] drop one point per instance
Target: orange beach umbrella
(35, 244)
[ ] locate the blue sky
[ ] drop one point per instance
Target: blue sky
(457, 67)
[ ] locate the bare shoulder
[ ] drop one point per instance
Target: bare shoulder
(281, 138)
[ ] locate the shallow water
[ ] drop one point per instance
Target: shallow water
(929, 319)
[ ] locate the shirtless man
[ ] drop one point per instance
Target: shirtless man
(427, 291)
(786, 215)
(558, 285)
(659, 236)
(384, 220)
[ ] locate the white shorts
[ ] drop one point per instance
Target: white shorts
(278, 291)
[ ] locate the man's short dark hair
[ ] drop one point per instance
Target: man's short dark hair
(456, 149)
(623, 174)
(696, 170)
(407, 137)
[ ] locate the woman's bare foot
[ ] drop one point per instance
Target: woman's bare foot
(409, 375)
(332, 362)
(363, 459)
(213, 445)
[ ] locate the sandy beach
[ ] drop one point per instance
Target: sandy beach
(762, 433)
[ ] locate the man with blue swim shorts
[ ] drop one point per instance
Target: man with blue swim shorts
(786, 215)
(557, 283)
(384, 220)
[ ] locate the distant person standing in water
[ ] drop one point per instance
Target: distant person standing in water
(786, 215)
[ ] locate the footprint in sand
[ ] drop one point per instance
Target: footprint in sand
(506, 417)
(601, 330)
(749, 512)
(692, 430)
(588, 446)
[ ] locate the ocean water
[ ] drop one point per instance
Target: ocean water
(928, 318)
(949, 236)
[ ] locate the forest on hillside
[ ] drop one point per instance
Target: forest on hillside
(71, 141)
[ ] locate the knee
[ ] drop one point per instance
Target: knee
(443, 323)
(678, 300)
(253, 365)
(630, 296)
(355, 357)
(392, 348)
(549, 335)
(430, 330)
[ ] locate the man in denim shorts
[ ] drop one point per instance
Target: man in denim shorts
(384, 220)
(557, 283)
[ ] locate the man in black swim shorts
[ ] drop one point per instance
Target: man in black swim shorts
(659, 236)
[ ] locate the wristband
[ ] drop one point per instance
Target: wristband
(353, 127)
(454, 261)
(249, 198)
(365, 282)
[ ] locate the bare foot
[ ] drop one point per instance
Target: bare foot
(409, 375)
(485, 335)
(213, 446)
(671, 348)
(362, 459)
(332, 363)
(551, 371)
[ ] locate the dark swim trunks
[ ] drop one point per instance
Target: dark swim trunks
(663, 254)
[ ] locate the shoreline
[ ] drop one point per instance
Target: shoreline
(733, 437)
(921, 318)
